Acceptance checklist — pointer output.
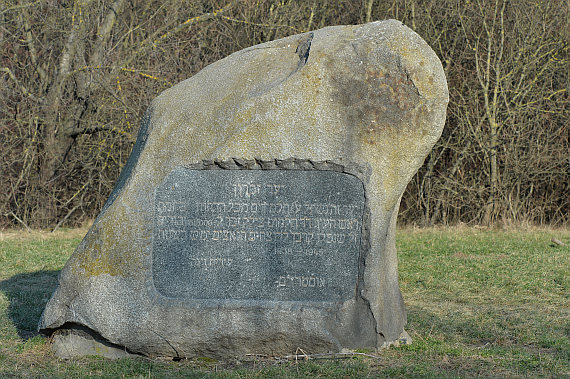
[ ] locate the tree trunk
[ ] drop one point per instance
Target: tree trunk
(61, 126)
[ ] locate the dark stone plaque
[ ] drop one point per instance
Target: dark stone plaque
(282, 235)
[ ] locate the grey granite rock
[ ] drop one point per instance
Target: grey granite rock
(76, 341)
(257, 211)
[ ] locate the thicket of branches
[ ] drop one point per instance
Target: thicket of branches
(76, 77)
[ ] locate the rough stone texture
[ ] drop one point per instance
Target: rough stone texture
(371, 96)
(76, 341)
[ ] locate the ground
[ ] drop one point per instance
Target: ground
(481, 302)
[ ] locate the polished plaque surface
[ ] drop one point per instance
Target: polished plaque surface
(273, 235)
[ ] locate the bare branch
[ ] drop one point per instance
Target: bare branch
(153, 42)
(20, 86)
(105, 32)
(21, 6)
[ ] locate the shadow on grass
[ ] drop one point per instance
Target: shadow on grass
(28, 294)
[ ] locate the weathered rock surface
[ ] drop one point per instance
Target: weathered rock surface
(367, 101)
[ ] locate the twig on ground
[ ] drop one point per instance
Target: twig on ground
(325, 356)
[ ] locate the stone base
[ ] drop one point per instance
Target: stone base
(404, 339)
(78, 341)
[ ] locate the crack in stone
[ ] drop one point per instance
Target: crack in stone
(303, 50)
(169, 344)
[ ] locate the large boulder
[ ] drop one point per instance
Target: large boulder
(349, 110)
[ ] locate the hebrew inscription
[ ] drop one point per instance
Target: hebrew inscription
(283, 235)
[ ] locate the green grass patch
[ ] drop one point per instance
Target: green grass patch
(480, 302)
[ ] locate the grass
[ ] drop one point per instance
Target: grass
(481, 303)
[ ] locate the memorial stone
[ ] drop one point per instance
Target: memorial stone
(257, 211)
